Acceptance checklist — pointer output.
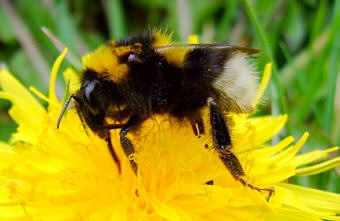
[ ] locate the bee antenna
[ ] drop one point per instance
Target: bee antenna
(64, 109)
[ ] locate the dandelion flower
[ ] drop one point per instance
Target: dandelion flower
(67, 174)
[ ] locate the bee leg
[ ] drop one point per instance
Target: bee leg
(198, 127)
(222, 143)
(112, 151)
(128, 148)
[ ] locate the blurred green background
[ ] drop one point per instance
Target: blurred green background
(301, 39)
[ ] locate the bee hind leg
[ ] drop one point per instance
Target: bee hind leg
(222, 143)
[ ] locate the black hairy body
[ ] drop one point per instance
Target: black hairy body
(148, 78)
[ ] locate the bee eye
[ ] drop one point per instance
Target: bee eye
(131, 58)
(90, 91)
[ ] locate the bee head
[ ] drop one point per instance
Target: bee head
(106, 75)
(91, 102)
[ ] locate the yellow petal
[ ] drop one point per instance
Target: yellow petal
(51, 93)
(322, 201)
(38, 94)
(13, 213)
(5, 149)
(12, 86)
(29, 117)
(264, 83)
(193, 39)
(309, 157)
(68, 174)
(165, 211)
(319, 168)
(271, 150)
(285, 157)
(71, 76)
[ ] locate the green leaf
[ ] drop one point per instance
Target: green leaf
(22, 68)
(333, 68)
(115, 18)
(294, 27)
(278, 95)
(65, 27)
(6, 31)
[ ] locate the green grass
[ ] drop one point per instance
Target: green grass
(300, 38)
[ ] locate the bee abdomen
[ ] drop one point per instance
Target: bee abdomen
(238, 82)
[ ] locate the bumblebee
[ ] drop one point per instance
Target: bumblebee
(135, 78)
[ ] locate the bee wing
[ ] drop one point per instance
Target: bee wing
(227, 69)
(245, 50)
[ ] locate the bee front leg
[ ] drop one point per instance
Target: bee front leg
(222, 143)
(128, 148)
(112, 151)
(106, 128)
